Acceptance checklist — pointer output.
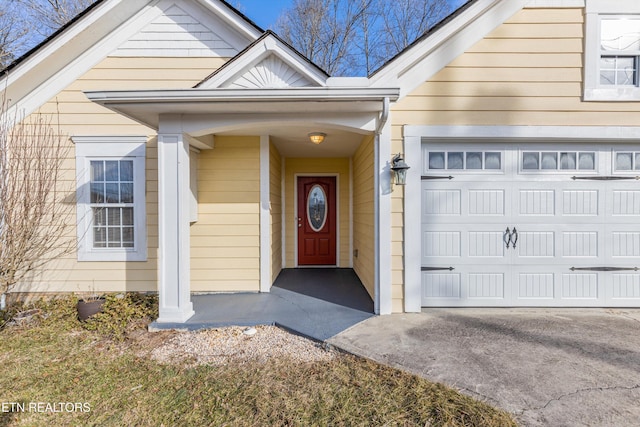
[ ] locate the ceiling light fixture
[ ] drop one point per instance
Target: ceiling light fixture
(317, 137)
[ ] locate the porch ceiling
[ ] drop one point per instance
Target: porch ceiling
(292, 140)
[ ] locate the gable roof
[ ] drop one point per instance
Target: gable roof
(16, 62)
(107, 24)
(267, 62)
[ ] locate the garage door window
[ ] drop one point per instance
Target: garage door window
(465, 160)
(627, 161)
(558, 160)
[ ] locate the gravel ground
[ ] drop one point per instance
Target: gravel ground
(236, 345)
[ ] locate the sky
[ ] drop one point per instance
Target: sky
(265, 12)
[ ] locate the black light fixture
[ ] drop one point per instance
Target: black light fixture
(399, 168)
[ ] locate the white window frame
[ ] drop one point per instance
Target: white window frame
(464, 170)
(596, 10)
(635, 164)
(558, 169)
(90, 148)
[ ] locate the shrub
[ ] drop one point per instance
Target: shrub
(122, 312)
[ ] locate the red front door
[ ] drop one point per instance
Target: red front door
(317, 220)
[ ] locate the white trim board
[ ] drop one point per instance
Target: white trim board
(265, 216)
(412, 218)
(621, 133)
(269, 46)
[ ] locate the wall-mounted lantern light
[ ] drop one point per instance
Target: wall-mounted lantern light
(399, 168)
(317, 137)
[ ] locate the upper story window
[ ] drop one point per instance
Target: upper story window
(619, 51)
(612, 51)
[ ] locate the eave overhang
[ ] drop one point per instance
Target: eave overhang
(147, 106)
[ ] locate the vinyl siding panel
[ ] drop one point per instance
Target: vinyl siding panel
(225, 242)
(363, 214)
(76, 115)
(309, 166)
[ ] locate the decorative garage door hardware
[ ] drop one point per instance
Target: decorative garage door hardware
(437, 268)
(424, 178)
(605, 178)
(510, 237)
(604, 269)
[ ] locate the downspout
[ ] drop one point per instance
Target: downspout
(384, 116)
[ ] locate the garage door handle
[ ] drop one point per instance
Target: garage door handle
(506, 237)
(514, 236)
(427, 177)
(605, 178)
(604, 269)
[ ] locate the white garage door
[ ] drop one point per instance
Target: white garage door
(530, 225)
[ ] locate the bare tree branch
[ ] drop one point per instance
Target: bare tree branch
(347, 37)
(48, 16)
(324, 30)
(33, 217)
(13, 31)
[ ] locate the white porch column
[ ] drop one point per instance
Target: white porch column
(412, 224)
(265, 216)
(382, 220)
(174, 215)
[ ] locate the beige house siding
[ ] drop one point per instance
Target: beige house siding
(78, 116)
(225, 242)
(526, 72)
(275, 198)
(363, 215)
(310, 166)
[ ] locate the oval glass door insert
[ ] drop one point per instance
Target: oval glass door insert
(317, 207)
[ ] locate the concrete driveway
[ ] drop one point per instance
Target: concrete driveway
(549, 367)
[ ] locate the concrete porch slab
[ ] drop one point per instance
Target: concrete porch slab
(334, 302)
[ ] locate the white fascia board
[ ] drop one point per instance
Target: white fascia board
(420, 62)
(239, 23)
(244, 95)
(260, 51)
(571, 133)
(348, 82)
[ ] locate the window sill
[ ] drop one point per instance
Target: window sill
(112, 256)
(627, 94)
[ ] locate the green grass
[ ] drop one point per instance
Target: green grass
(55, 359)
